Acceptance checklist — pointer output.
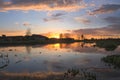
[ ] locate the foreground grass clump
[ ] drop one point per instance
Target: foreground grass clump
(113, 60)
(76, 74)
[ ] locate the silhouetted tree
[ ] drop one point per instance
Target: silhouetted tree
(82, 37)
(3, 36)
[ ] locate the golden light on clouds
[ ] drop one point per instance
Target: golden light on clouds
(43, 5)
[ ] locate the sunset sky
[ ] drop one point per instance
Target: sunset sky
(97, 17)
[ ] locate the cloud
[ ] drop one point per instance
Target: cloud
(108, 8)
(82, 20)
(51, 19)
(115, 20)
(26, 24)
(54, 17)
(58, 14)
(41, 5)
(113, 29)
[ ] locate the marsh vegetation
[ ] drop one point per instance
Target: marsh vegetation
(112, 60)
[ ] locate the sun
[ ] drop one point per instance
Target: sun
(55, 35)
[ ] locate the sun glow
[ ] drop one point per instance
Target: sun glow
(55, 36)
(52, 35)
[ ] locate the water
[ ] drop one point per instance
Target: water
(57, 58)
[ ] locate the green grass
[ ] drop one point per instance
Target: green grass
(76, 74)
(112, 60)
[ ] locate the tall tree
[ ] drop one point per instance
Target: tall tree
(82, 37)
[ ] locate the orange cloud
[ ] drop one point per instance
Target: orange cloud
(42, 5)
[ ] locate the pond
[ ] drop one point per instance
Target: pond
(56, 59)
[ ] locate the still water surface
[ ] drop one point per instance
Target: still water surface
(57, 58)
